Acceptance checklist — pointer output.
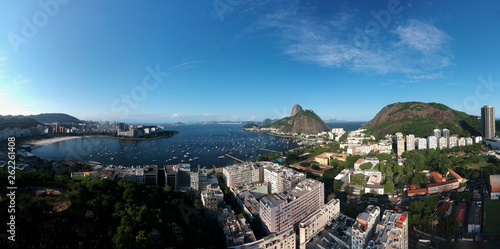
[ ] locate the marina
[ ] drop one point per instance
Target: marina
(203, 145)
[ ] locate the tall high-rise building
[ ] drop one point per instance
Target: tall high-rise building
(445, 133)
(436, 133)
(488, 121)
(410, 142)
(432, 142)
(399, 140)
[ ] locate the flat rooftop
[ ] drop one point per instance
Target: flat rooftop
(494, 179)
(301, 189)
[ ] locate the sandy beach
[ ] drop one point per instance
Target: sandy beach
(37, 143)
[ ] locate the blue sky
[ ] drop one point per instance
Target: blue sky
(170, 61)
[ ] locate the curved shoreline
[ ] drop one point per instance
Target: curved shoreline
(46, 141)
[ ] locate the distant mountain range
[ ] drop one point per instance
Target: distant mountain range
(421, 118)
(23, 122)
(14, 121)
(300, 121)
(55, 118)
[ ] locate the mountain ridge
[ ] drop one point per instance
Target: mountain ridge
(421, 118)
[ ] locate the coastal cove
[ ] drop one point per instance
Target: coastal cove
(203, 144)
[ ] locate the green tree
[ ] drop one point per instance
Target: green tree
(366, 166)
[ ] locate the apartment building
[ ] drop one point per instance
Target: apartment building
(432, 142)
(316, 221)
(410, 142)
(280, 179)
(242, 174)
(281, 240)
(421, 143)
(281, 210)
(391, 232)
(363, 228)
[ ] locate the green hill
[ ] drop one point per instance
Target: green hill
(17, 122)
(250, 125)
(55, 118)
(421, 118)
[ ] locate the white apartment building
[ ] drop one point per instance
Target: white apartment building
(363, 228)
(338, 130)
(421, 143)
(316, 221)
(432, 142)
(442, 142)
(281, 210)
(452, 142)
(242, 174)
(445, 133)
(469, 141)
(391, 232)
(410, 142)
(281, 240)
(280, 179)
(478, 139)
(462, 141)
(436, 133)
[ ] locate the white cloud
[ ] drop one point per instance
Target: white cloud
(187, 64)
(176, 115)
(422, 36)
(414, 47)
(429, 76)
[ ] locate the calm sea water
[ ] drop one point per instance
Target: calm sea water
(203, 144)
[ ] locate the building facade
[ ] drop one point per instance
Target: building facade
(363, 228)
(488, 121)
(432, 142)
(391, 231)
(281, 210)
(410, 142)
(316, 221)
(280, 179)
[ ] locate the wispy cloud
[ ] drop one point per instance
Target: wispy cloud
(20, 80)
(428, 76)
(176, 115)
(414, 48)
(185, 65)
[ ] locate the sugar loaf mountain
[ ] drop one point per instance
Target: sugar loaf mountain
(301, 121)
(421, 118)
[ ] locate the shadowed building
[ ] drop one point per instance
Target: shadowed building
(488, 121)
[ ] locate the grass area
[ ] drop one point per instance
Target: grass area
(478, 165)
(491, 217)
(358, 179)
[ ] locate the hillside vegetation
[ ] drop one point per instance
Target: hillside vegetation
(13, 122)
(421, 118)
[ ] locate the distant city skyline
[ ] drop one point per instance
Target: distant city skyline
(166, 62)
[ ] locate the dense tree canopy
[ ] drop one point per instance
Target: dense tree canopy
(108, 214)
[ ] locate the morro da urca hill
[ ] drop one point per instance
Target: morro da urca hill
(421, 118)
(301, 121)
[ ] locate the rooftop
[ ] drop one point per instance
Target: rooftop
(301, 189)
(437, 177)
(494, 179)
